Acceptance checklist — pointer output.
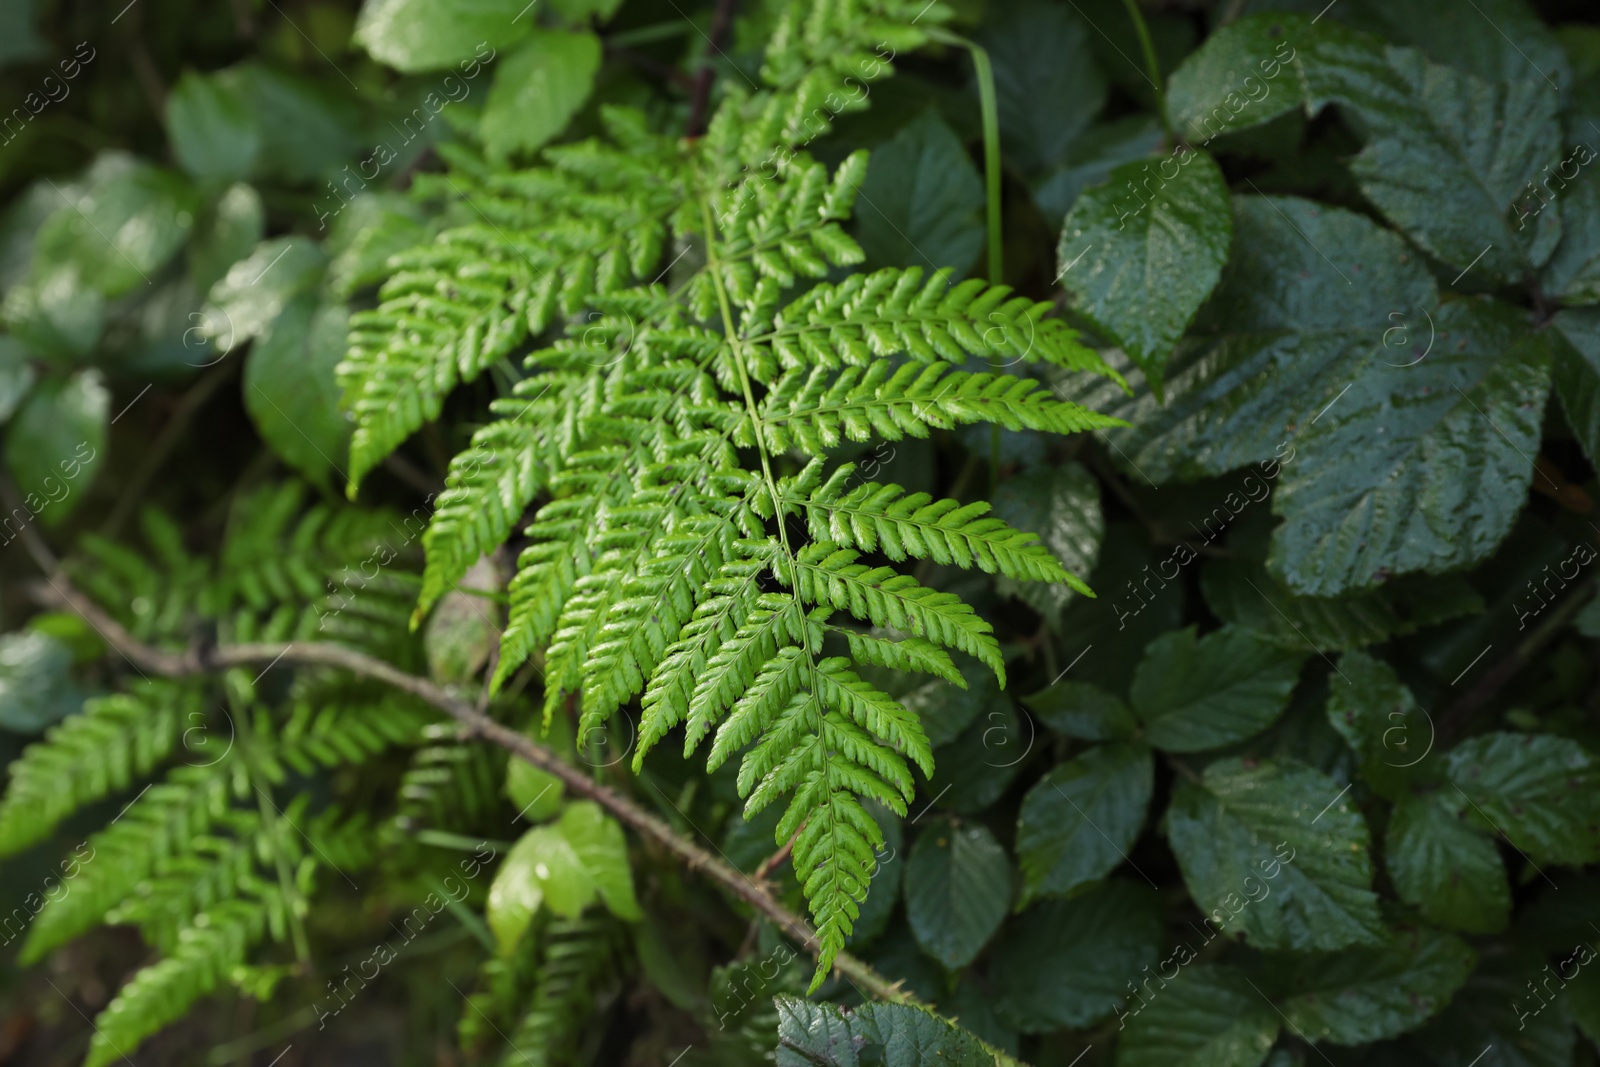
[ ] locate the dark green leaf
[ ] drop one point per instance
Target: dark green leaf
(1078, 823)
(1194, 695)
(16, 375)
(894, 1035)
(1243, 592)
(971, 772)
(1141, 253)
(1497, 40)
(1079, 709)
(1444, 866)
(537, 89)
(18, 40)
(212, 127)
(308, 131)
(1094, 155)
(946, 710)
(1072, 962)
(290, 390)
(1573, 274)
(1048, 85)
(958, 888)
(56, 444)
(1541, 792)
(1447, 153)
(1062, 505)
(1380, 720)
(1497, 1022)
(1577, 375)
(920, 202)
(413, 35)
(1368, 994)
(1301, 313)
(1226, 831)
(1209, 1016)
(1445, 458)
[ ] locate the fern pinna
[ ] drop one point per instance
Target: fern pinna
(694, 548)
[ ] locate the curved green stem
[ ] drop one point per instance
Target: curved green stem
(1151, 64)
(989, 108)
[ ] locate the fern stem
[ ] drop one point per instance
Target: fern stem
(779, 515)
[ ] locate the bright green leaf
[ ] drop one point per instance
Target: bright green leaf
(212, 127)
(290, 390)
(258, 288)
(537, 89)
(416, 35)
(597, 840)
(120, 229)
(541, 870)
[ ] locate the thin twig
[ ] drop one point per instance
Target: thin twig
(771, 863)
(57, 589)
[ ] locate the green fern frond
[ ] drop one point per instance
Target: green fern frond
(116, 741)
(451, 784)
(661, 562)
(581, 964)
(207, 953)
(163, 821)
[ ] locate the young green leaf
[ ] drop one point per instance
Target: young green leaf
(538, 87)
